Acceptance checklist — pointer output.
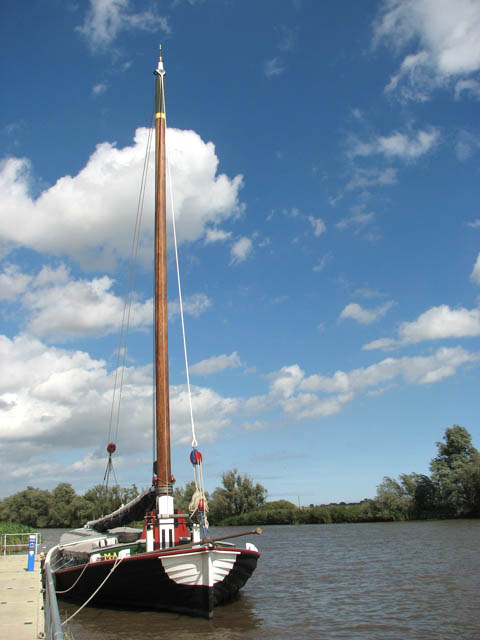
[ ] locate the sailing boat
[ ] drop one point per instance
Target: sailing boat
(172, 564)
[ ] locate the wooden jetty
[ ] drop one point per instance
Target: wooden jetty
(21, 600)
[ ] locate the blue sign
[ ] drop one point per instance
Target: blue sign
(32, 540)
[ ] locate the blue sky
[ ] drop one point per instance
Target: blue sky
(325, 171)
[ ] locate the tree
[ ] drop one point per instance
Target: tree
(183, 497)
(393, 499)
(456, 474)
(81, 511)
(425, 496)
(422, 493)
(129, 493)
(104, 500)
(279, 504)
(30, 507)
(238, 496)
(60, 514)
(458, 446)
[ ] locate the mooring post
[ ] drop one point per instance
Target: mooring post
(32, 539)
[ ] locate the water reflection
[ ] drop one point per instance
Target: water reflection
(231, 622)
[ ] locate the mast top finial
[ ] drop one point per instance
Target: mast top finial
(160, 70)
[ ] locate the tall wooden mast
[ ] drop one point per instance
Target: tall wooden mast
(162, 403)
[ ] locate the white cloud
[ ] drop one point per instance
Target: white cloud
(241, 250)
(273, 67)
(256, 425)
(285, 381)
(105, 19)
(57, 306)
(438, 323)
(322, 263)
(99, 88)
(80, 308)
(466, 145)
(318, 226)
(398, 145)
(212, 413)
(475, 224)
(381, 343)
(413, 370)
(366, 292)
(475, 275)
(88, 217)
(13, 283)
(52, 399)
(363, 178)
(217, 235)
(446, 34)
(365, 316)
(357, 221)
(193, 305)
(472, 86)
(44, 388)
(294, 212)
(308, 397)
(216, 364)
(412, 68)
(288, 38)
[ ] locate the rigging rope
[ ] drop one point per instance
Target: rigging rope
(117, 562)
(131, 277)
(114, 422)
(198, 503)
(194, 439)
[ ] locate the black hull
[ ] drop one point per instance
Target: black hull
(141, 582)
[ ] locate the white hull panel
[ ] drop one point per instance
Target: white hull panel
(205, 568)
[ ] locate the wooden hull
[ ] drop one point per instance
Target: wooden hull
(190, 581)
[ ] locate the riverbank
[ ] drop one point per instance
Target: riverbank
(284, 512)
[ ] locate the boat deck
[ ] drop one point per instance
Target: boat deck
(21, 600)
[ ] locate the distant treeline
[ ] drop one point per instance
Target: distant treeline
(285, 512)
(452, 490)
(62, 507)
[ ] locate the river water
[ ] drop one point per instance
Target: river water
(380, 581)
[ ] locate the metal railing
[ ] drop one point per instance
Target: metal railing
(53, 623)
(18, 547)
